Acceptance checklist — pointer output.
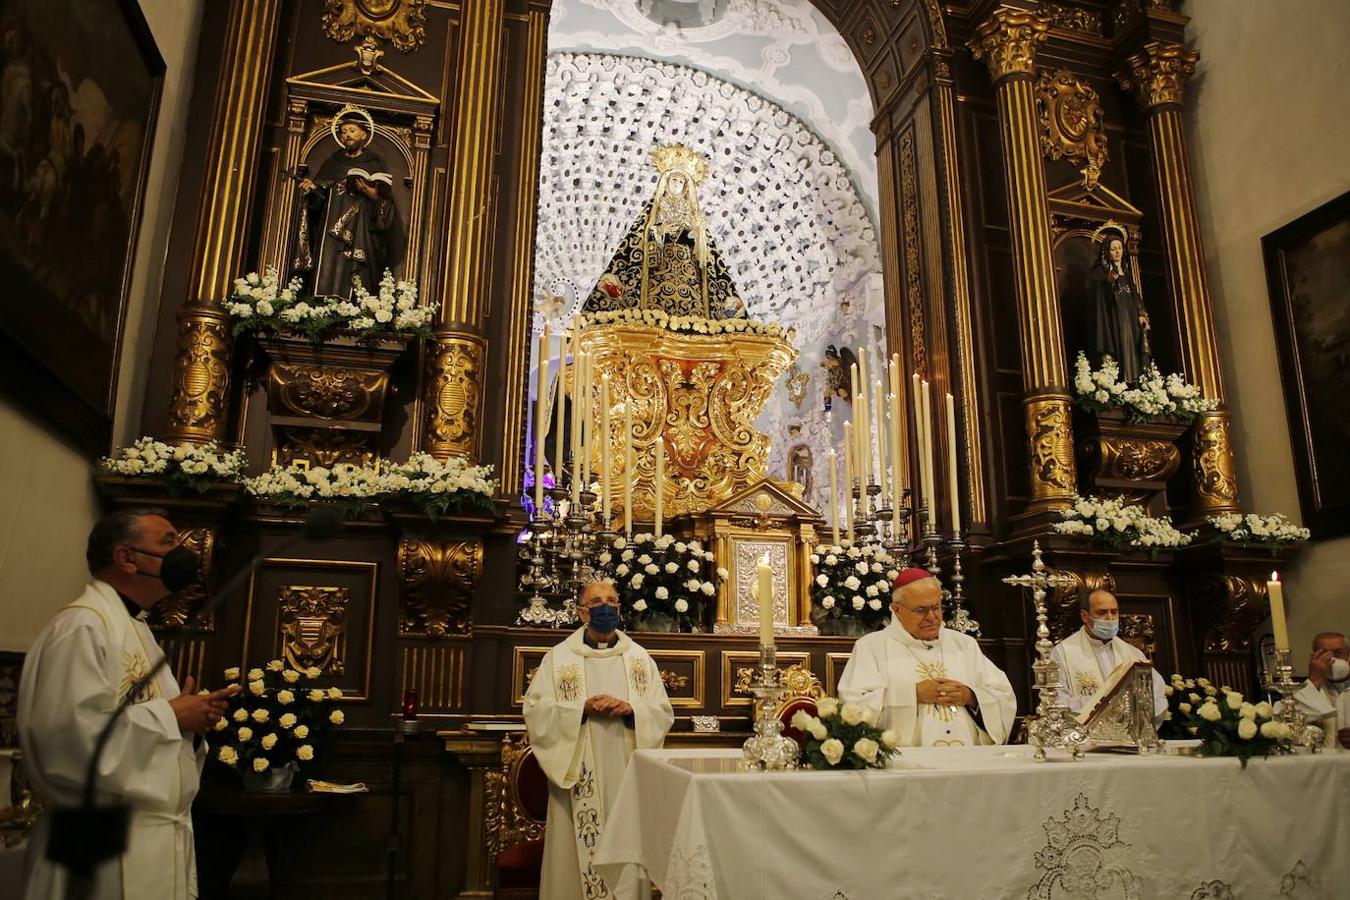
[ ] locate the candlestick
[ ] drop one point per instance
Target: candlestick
(541, 407)
(951, 466)
(926, 462)
(897, 474)
(574, 433)
(834, 493)
(848, 477)
(560, 419)
(605, 458)
(881, 405)
(628, 467)
(660, 481)
(765, 598)
(587, 424)
(863, 428)
(1275, 591)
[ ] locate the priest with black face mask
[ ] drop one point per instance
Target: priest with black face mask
(595, 698)
(78, 671)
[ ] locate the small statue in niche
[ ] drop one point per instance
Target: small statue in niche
(800, 463)
(836, 364)
(348, 226)
(1117, 322)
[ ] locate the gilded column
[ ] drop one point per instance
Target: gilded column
(1007, 41)
(1157, 75)
(201, 378)
(457, 357)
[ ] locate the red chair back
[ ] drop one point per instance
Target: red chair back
(789, 709)
(531, 787)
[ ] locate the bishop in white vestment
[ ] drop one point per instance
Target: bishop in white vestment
(595, 698)
(78, 670)
(1325, 696)
(1088, 656)
(932, 685)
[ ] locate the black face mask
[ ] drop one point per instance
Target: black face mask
(178, 568)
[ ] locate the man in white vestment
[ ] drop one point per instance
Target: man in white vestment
(1325, 696)
(78, 670)
(595, 698)
(1088, 656)
(932, 685)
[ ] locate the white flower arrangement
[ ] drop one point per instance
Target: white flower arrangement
(843, 736)
(687, 324)
(851, 587)
(1153, 396)
(352, 488)
(1225, 723)
(1272, 529)
(664, 584)
(260, 303)
(1113, 522)
(440, 486)
(182, 466)
(276, 722)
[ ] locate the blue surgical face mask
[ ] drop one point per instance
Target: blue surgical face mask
(1105, 629)
(604, 619)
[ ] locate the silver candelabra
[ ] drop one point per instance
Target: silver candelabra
(1280, 680)
(768, 749)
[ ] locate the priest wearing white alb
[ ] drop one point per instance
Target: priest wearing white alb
(1325, 696)
(1088, 656)
(933, 686)
(79, 669)
(595, 698)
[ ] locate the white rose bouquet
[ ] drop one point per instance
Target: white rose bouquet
(1151, 397)
(1251, 528)
(260, 303)
(1115, 523)
(279, 720)
(664, 584)
(850, 587)
(183, 467)
(843, 736)
(353, 489)
(1225, 723)
(439, 487)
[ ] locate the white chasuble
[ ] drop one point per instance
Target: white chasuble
(884, 671)
(77, 672)
(1086, 664)
(1326, 707)
(585, 760)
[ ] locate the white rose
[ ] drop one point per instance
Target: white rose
(275, 665)
(858, 602)
(832, 750)
(285, 698)
(301, 732)
(334, 693)
(875, 603)
(831, 560)
(890, 738)
(1270, 730)
(851, 713)
(723, 573)
(682, 606)
(1264, 710)
(822, 580)
(801, 720)
(232, 673)
(866, 749)
(227, 755)
(826, 707)
(692, 565)
(261, 715)
(662, 594)
(240, 715)
(222, 724)
(626, 555)
(336, 717)
(852, 583)
(817, 729)
(672, 568)
(269, 741)
(245, 734)
(1185, 707)
(291, 676)
(1246, 729)
(256, 688)
(644, 559)
(827, 602)
(305, 752)
(709, 588)
(652, 569)
(636, 582)
(1247, 711)
(287, 720)
(255, 674)
(260, 764)
(313, 672)
(1234, 700)
(869, 716)
(315, 695)
(264, 308)
(1209, 712)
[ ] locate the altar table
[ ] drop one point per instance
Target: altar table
(985, 822)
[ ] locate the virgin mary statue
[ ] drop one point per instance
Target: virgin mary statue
(667, 260)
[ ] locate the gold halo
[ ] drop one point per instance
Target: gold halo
(1110, 225)
(679, 158)
(349, 109)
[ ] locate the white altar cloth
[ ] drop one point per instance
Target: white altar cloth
(984, 822)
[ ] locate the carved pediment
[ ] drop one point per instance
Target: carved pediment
(367, 84)
(764, 500)
(1100, 204)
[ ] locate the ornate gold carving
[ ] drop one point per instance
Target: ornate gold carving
(909, 221)
(1158, 73)
(1131, 460)
(673, 680)
(455, 395)
(505, 822)
(313, 626)
(801, 682)
(1231, 607)
(1074, 18)
(437, 580)
(201, 378)
(172, 613)
(368, 54)
(1051, 454)
(937, 25)
(1215, 484)
(740, 668)
(744, 572)
(1007, 41)
(327, 392)
(401, 22)
(1138, 629)
(325, 447)
(1072, 124)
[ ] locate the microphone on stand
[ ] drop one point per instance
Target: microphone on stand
(85, 836)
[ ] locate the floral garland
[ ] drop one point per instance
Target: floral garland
(1272, 529)
(353, 489)
(260, 303)
(278, 720)
(664, 584)
(438, 487)
(844, 736)
(434, 486)
(852, 582)
(1222, 720)
(183, 466)
(1116, 524)
(1153, 396)
(687, 324)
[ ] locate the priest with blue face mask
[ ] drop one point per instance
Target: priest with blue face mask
(595, 698)
(1088, 656)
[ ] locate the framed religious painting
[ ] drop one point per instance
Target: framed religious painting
(1308, 269)
(79, 93)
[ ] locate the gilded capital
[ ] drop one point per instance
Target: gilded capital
(1158, 73)
(201, 377)
(1007, 41)
(1049, 420)
(1212, 465)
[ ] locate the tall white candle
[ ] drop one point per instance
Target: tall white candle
(587, 421)
(926, 462)
(628, 467)
(660, 482)
(605, 451)
(848, 477)
(541, 408)
(834, 493)
(863, 423)
(1278, 623)
(880, 401)
(574, 433)
(955, 486)
(560, 420)
(897, 475)
(764, 592)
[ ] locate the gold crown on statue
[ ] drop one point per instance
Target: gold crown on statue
(1110, 225)
(679, 158)
(349, 111)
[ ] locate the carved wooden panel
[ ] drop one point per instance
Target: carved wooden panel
(436, 672)
(437, 578)
(738, 671)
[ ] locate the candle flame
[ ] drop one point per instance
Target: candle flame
(1274, 576)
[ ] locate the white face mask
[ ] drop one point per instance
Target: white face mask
(1340, 670)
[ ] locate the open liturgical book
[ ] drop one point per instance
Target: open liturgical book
(383, 177)
(1120, 713)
